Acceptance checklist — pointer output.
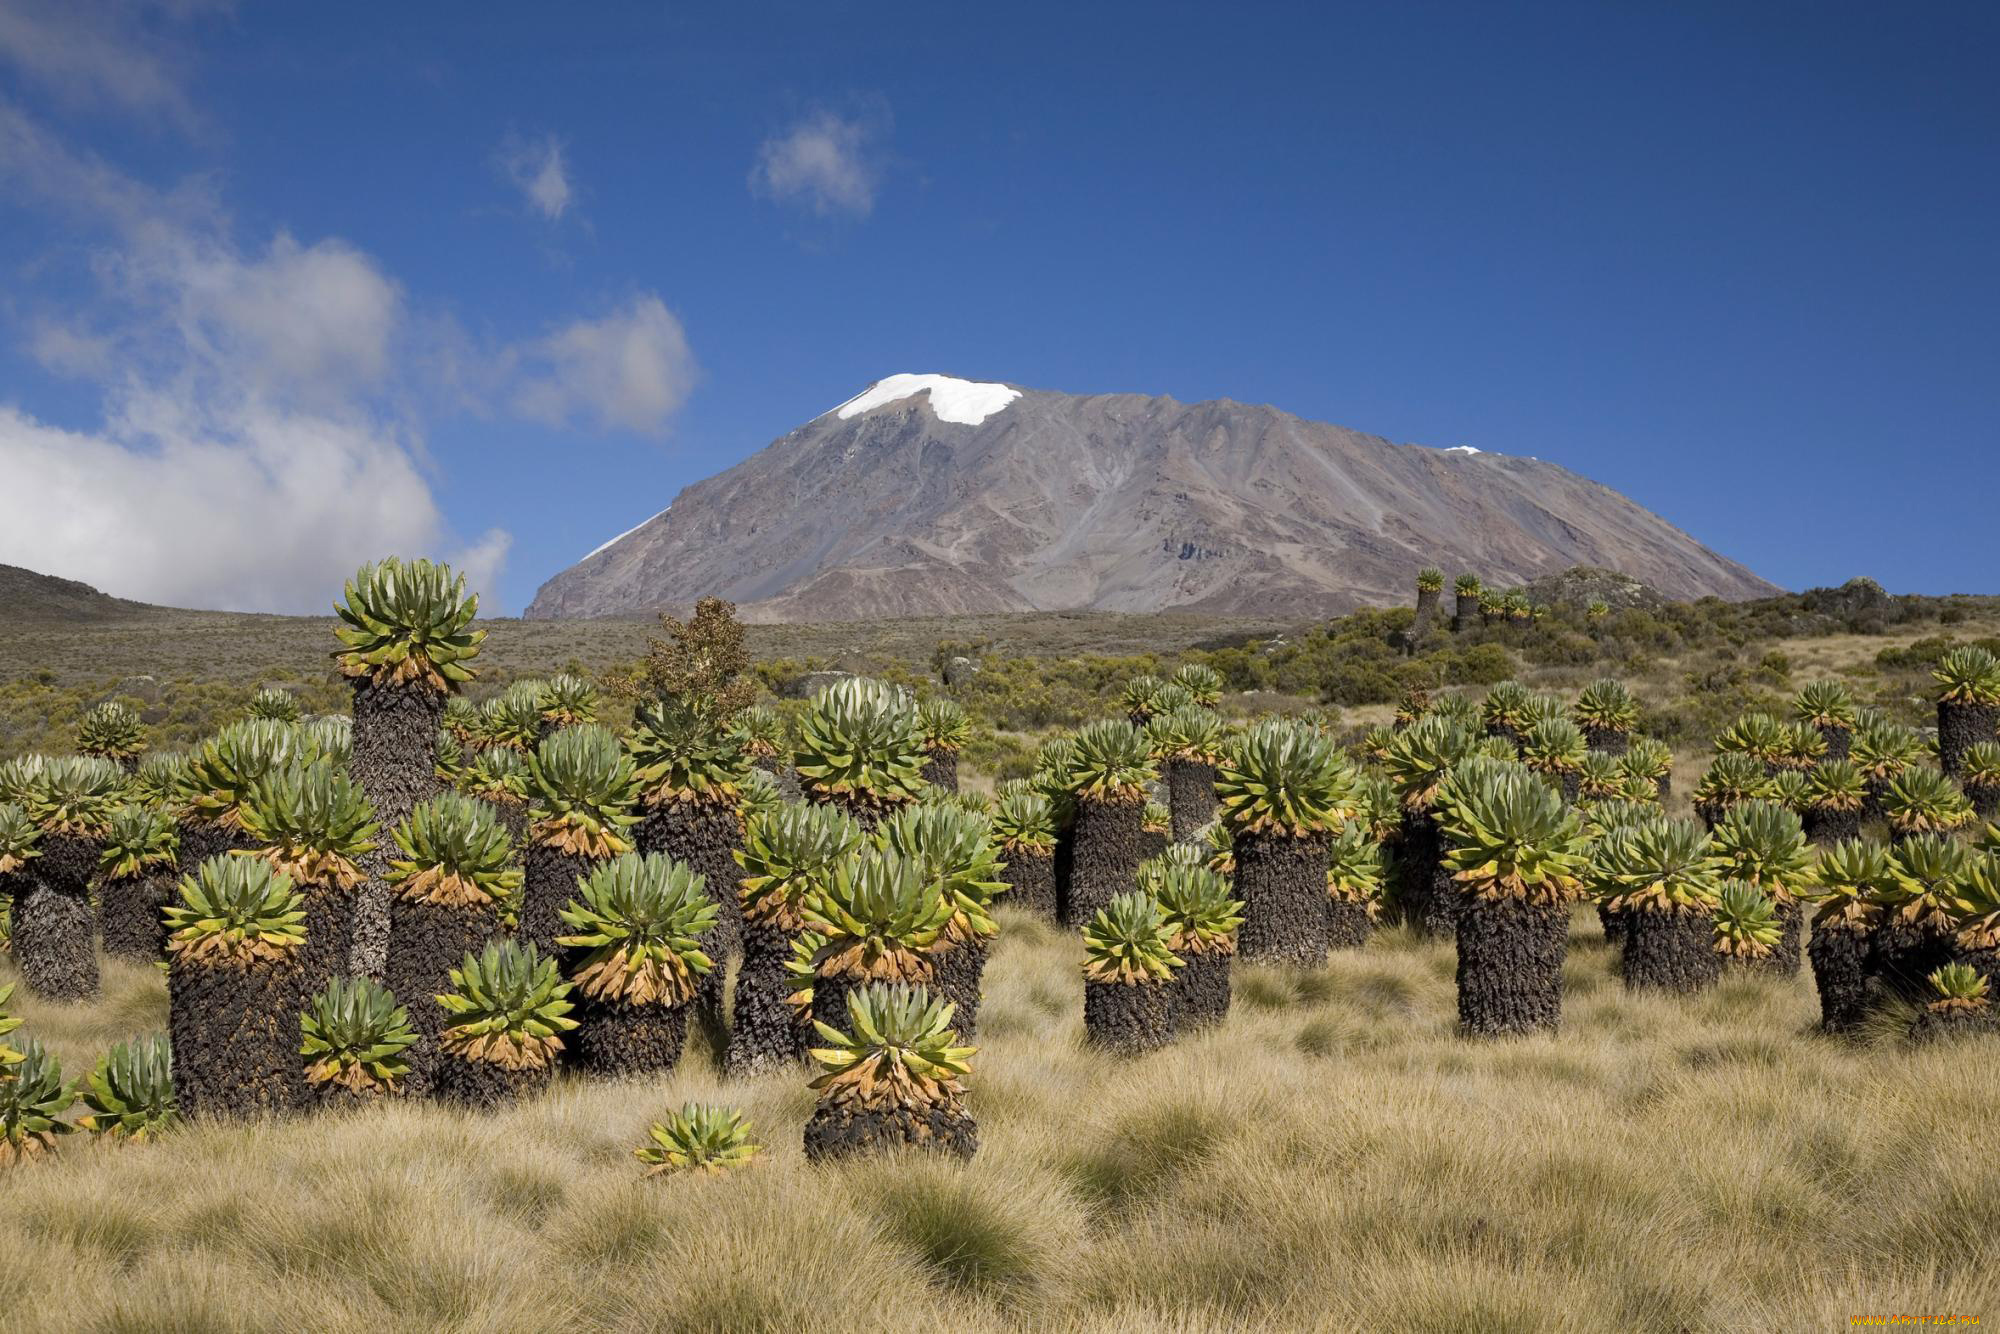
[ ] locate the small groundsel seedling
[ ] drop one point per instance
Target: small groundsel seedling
(131, 1093)
(699, 1138)
(354, 1036)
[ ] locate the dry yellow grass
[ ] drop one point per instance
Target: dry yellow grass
(1334, 1158)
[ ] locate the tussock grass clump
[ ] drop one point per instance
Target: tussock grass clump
(1331, 1156)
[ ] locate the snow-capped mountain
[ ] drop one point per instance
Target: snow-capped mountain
(928, 494)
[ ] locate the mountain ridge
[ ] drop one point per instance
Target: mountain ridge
(1115, 502)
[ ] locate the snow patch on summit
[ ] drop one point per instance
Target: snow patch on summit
(966, 402)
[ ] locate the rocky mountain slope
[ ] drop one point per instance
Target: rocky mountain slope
(28, 596)
(929, 495)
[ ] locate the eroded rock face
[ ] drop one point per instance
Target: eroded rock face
(1116, 502)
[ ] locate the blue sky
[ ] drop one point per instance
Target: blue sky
(283, 286)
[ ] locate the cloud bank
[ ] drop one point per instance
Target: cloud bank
(825, 163)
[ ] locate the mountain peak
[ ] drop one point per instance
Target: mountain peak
(964, 402)
(995, 499)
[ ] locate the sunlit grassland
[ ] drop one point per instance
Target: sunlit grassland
(1334, 1157)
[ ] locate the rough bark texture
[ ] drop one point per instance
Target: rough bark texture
(201, 840)
(395, 743)
(1985, 802)
(1903, 956)
(843, 1134)
(956, 975)
(1152, 842)
(1613, 922)
(1951, 1025)
(1031, 879)
(329, 944)
(55, 942)
(1606, 741)
(1783, 959)
(1827, 827)
(1962, 726)
(480, 1084)
(1128, 1018)
(1436, 908)
(1419, 855)
(1464, 612)
(1840, 972)
(235, 1033)
(1839, 741)
(764, 1033)
(128, 915)
(1190, 796)
(1063, 868)
(426, 941)
(1106, 860)
(941, 770)
(1985, 962)
(1282, 882)
(705, 835)
(549, 882)
(1510, 960)
(625, 1040)
(1670, 951)
(1199, 992)
(786, 777)
(1348, 924)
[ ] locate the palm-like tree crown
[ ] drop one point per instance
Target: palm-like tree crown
(1921, 800)
(1746, 921)
(1110, 764)
(944, 727)
(860, 742)
(1196, 908)
(1661, 865)
(1757, 735)
(19, 838)
(788, 855)
(355, 1035)
(76, 794)
(1958, 986)
(1926, 877)
(681, 755)
(880, 917)
(1280, 778)
(1128, 943)
(1202, 682)
(137, 840)
(1848, 885)
(1137, 696)
(1981, 772)
(1554, 746)
(953, 849)
(1824, 704)
(1422, 756)
(275, 705)
(567, 700)
(581, 787)
(235, 911)
(899, 1052)
(640, 918)
(1975, 911)
(313, 821)
(1023, 821)
(455, 851)
(1836, 786)
(1607, 706)
(1512, 838)
(1969, 675)
(1881, 750)
(1506, 705)
(1763, 844)
(408, 622)
(1193, 734)
(224, 768)
(111, 731)
(507, 1006)
(1430, 579)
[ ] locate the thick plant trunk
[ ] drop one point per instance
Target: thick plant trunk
(626, 1040)
(956, 976)
(1282, 883)
(1784, 957)
(1348, 924)
(1510, 961)
(1840, 973)
(549, 881)
(1464, 612)
(941, 770)
(395, 762)
(1606, 741)
(1031, 879)
(1839, 741)
(484, 1085)
(55, 931)
(1905, 954)
(201, 840)
(1827, 827)
(1199, 993)
(705, 835)
(1613, 922)
(1951, 1025)
(1962, 726)
(832, 1133)
(1106, 859)
(1419, 858)
(1985, 802)
(1190, 796)
(1670, 951)
(426, 941)
(764, 1032)
(329, 943)
(1427, 605)
(1128, 1018)
(235, 1033)
(129, 915)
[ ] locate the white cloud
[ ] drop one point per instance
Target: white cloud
(250, 453)
(539, 170)
(824, 163)
(104, 52)
(630, 370)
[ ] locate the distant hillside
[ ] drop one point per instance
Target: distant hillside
(928, 495)
(28, 596)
